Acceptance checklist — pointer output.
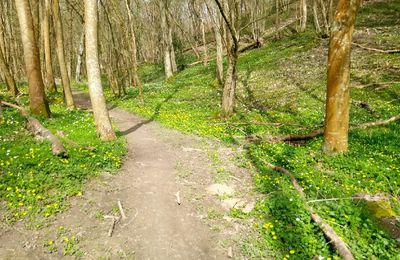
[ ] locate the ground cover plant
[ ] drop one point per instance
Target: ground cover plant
(34, 183)
(282, 91)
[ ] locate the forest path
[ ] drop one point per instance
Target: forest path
(156, 226)
(159, 163)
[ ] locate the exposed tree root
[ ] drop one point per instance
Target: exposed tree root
(319, 132)
(376, 50)
(335, 240)
(34, 126)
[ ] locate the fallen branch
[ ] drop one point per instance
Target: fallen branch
(319, 132)
(112, 226)
(74, 144)
(251, 46)
(381, 84)
(335, 240)
(121, 210)
(376, 50)
(38, 130)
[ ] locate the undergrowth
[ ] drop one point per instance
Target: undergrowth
(34, 183)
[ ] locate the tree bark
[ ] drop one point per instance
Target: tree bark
(49, 79)
(303, 15)
(338, 92)
(165, 38)
(315, 15)
(220, 56)
(69, 99)
(79, 57)
(205, 51)
(4, 69)
(101, 117)
(37, 99)
(136, 78)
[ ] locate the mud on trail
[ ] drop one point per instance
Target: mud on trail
(161, 167)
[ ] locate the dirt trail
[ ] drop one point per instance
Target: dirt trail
(160, 162)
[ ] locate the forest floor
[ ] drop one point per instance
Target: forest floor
(159, 164)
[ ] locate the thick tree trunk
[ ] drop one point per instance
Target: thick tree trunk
(69, 99)
(101, 117)
(49, 79)
(79, 57)
(37, 99)
(4, 69)
(338, 96)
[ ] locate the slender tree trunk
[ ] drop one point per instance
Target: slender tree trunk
(338, 94)
(61, 55)
(49, 79)
(37, 99)
(303, 15)
(315, 14)
(166, 43)
(4, 69)
(205, 51)
(220, 56)
(79, 57)
(228, 97)
(136, 78)
(101, 117)
(325, 17)
(172, 49)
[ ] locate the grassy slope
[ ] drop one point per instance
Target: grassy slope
(34, 183)
(284, 83)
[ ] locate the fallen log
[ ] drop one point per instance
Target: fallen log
(375, 49)
(328, 231)
(34, 126)
(319, 132)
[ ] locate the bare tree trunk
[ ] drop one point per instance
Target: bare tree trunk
(101, 117)
(303, 15)
(338, 94)
(37, 99)
(79, 57)
(220, 55)
(315, 14)
(205, 51)
(230, 14)
(172, 49)
(4, 69)
(325, 17)
(49, 79)
(69, 99)
(136, 78)
(166, 40)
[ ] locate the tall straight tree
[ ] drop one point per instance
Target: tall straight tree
(69, 99)
(338, 91)
(49, 79)
(101, 117)
(37, 99)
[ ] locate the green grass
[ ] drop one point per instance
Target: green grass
(34, 183)
(281, 90)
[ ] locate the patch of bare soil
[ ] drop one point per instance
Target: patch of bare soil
(175, 190)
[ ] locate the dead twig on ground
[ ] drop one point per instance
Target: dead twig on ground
(178, 198)
(112, 226)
